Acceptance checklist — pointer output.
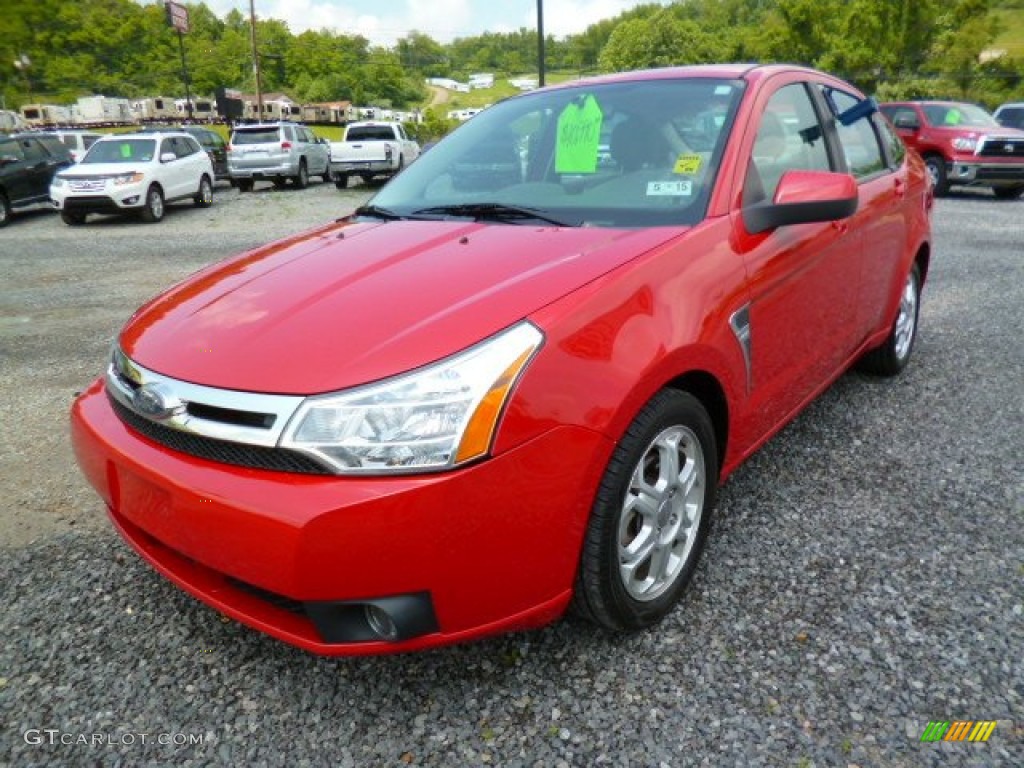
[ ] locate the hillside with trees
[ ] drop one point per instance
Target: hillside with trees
(888, 47)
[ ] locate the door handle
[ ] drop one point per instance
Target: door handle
(842, 226)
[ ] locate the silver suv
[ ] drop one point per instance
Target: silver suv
(276, 152)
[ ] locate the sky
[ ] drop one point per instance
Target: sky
(382, 22)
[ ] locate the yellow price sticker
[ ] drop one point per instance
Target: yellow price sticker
(687, 164)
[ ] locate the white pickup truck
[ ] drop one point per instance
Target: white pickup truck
(371, 149)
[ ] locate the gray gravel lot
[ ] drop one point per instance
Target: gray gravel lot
(865, 574)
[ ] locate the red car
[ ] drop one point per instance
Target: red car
(962, 145)
(512, 383)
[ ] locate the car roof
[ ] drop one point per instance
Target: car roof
(141, 135)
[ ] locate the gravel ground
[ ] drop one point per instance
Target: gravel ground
(865, 574)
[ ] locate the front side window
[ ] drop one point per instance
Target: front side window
(11, 149)
(789, 138)
(625, 154)
(121, 151)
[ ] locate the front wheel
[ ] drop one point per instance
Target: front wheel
(5, 210)
(153, 210)
(651, 516)
(937, 171)
(892, 356)
(204, 197)
(341, 180)
(1008, 193)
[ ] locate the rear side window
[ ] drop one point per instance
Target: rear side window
(858, 140)
(893, 144)
(185, 146)
(53, 145)
(258, 136)
(88, 141)
(1012, 117)
(33, 150)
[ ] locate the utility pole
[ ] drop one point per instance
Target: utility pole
(255, 61)
(540, 42)
(177, 17)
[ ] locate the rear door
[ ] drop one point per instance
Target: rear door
(40, 166)
(881, 217)
(803, 279)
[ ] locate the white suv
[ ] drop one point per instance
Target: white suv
(134, 172)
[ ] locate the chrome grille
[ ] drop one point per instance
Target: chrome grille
(221, 451)
(1001, 146)
(228, 426)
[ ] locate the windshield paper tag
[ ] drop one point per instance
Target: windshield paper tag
(579, 133)
(669, 188)
(688, 164)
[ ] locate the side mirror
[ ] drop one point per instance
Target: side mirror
(804, 197)
(906, 122)
(168, 157)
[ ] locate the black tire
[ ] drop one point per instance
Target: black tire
(892, 356)
(1008, 193)
(72, 218)
(244, 185)
(153, 209)
(326, 175)
(204, 196)
(301, 179)
(937, 170)
(5, 211)
(366, 177)
(612, 592)
(341, 180)
(280, 182)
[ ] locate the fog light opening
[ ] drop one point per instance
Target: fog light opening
(381, 623)
(131, 200)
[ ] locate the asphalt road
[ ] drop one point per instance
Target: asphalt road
(865, 574)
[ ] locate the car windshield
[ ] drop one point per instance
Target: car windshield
(624, 154)
(121, 151)
(957, 115)
(256, 136)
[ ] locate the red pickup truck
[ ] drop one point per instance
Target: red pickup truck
(962, 145)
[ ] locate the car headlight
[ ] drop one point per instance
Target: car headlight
(128, 178)
(428, 420)
(965, 143)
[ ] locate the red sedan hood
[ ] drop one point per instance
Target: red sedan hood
(349, 304)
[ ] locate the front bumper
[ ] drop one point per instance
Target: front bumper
(972, 172)
(108, 199)
(488, 548)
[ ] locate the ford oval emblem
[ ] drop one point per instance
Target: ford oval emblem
(155, 401)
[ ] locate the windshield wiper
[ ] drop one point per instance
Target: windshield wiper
(377, 212)
(497, 211)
